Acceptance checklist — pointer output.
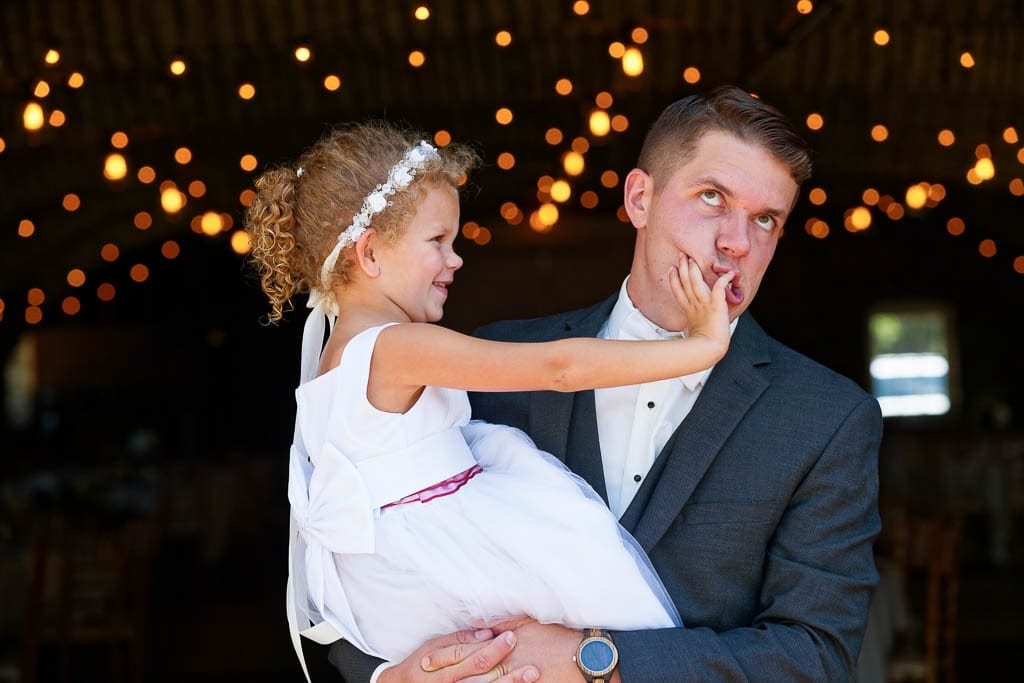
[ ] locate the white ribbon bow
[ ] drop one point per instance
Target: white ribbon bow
(332, 510)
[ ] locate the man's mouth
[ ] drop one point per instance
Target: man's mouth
(733, 294)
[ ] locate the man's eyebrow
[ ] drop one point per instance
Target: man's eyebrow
(714, 182)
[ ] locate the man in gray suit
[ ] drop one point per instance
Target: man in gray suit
(753, 486)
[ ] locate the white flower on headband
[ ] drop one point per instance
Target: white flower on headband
(299, 171)
(399, 177)
(376, 202)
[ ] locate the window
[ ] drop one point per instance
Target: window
(21, 381)
(912, 364)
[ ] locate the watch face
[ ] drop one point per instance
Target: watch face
(597, 656)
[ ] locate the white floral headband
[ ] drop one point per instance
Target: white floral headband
(399, 177)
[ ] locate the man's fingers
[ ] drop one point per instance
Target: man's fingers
(501, 674)
(471, 659)
(510, 624)
(524, 674)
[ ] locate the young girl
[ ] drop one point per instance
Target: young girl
(408, 520)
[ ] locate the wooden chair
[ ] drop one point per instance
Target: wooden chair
(926, 548)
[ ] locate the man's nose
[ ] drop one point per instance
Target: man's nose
(733, 237)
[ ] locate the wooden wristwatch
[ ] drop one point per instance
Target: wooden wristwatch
(596, 656)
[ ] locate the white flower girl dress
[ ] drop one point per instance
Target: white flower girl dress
(512, 533)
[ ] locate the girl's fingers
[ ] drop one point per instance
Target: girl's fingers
(723, 282)
(697, 279)
(676, 284)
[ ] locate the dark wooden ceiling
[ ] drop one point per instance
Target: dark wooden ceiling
(825, 61)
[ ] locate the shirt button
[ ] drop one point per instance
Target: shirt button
(637, 478)
(650, 404)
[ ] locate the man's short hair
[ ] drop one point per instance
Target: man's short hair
(672, 140)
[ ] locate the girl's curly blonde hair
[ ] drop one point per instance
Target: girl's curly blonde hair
(295, 219)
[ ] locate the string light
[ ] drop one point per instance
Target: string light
(139, 273)
(115, 167)
(240, 242)
(32, 117)
(609, 179)
(573, 163)
(71, 305)
(561, 191)
(600, 123)
(632, 62)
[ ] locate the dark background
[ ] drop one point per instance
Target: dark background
(173, 403)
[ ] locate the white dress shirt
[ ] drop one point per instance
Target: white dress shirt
(634, 422)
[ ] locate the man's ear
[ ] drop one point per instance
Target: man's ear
(637, 193)
(366, 249)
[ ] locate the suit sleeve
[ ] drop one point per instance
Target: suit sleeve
(819, 574)
(354, 665)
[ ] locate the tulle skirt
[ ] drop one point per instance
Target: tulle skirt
(523, 537)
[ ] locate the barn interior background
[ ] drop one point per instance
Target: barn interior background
(146, 410)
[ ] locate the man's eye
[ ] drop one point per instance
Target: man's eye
(711, 197)
(767, 222)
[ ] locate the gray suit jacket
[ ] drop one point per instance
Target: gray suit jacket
(759, 514)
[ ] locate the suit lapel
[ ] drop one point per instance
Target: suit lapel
(733, 387)
(552, 415)
(583, 451)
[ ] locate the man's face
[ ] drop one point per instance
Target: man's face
(724, 208)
